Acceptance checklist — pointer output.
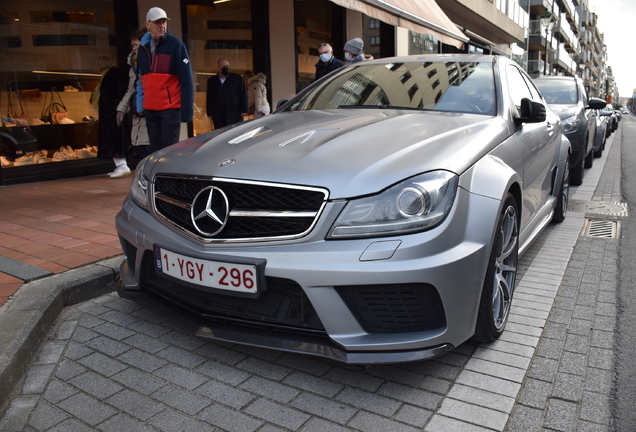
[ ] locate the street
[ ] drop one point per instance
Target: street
(110, 365)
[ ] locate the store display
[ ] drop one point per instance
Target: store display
(64, 153)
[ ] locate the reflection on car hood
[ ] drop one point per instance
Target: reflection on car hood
(564, 111)
(351, 152)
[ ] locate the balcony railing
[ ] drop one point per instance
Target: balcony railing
(536, 67)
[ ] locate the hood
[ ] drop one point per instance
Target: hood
(564, 111)
(260, 77)
(351, 152)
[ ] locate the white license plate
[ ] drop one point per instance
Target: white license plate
(213, 274)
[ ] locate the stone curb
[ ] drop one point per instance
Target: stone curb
(27, 318)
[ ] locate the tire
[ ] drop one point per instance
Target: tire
(501, 274)
(563, 198)
(576, 173)
(589, 159)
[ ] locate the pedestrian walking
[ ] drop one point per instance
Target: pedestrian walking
(166, 86)
(130, 102)
(226, 99)
(327, 63)
(113, 136)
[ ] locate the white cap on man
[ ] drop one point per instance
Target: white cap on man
(155, 14)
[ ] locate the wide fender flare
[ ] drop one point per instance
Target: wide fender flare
(565, 149)
(492, 177)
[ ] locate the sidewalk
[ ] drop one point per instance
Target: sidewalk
(50, 227)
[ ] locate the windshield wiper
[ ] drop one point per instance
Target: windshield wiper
(385, 106)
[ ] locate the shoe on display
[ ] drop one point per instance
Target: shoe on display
(70, 89)
(120, 171)
(24, 160)
(37, 122)
(59, 156)
(66, 121)
(5, 162)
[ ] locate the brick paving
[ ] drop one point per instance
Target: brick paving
(58, 225)
(111, 365)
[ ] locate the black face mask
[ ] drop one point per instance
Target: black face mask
(225, 71)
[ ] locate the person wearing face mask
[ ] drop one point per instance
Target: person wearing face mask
(353, 52)
(166, 86)
(226, 100)
(327, 62)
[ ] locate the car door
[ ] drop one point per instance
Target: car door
(590, 117)
(537, 146)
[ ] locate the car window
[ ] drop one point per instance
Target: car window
(536, 95)
(558, 91)
(466, 87)
(517, 87)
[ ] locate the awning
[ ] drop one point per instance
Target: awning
(421, 16)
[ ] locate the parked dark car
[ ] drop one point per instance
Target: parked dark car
(377, 216)
(603, 124)
(568, 98)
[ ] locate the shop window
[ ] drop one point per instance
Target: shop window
(314, 26)
(216, 30)
(56, 59)
(421, 43)
(63, 40)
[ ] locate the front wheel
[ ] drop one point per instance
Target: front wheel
(589, 159)
(496, 295)
(576, 175)
(564, 195)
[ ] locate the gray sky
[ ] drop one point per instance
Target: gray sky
(617, 19)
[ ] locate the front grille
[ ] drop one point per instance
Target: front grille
(397, 308)
(283, 304)
(257, 211)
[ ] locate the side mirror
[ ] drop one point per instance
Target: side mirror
(281, 103)
(596, 103)
(531, 112)
(605, 113)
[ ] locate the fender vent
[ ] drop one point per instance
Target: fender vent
(601, 228)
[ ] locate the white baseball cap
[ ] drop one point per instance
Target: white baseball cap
(155, 14)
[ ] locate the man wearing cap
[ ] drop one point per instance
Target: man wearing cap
(353, 52)
(166, 81)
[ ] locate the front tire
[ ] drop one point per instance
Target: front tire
(563, 198)
(496, 294)
(576, 174)
(589, 159)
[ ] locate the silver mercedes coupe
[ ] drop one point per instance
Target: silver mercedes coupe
(376, 217)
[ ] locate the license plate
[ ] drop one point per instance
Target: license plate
(242, 278)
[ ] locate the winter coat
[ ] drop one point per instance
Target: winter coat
(166, 77)
(226, 102)
(139, 133)
(113, 140)
(323, 69)
(257, 86)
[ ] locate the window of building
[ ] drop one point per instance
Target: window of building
(374, 24)
(374, 40)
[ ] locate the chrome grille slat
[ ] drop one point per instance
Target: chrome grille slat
(258, 211)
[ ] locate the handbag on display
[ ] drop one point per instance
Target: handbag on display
(56, 112)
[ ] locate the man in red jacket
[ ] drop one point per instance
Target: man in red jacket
(166, 81)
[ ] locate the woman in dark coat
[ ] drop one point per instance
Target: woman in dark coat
(113, 140)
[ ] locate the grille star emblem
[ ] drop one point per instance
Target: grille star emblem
(210, 209)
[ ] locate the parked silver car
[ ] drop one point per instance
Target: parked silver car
(377, 216)
(567, 97)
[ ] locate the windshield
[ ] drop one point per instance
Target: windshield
(558, 91)
(466, 87)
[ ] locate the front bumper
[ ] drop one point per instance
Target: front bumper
(449, 260)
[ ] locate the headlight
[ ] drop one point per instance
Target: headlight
(571, 124)
(139, 186)
(416, 204)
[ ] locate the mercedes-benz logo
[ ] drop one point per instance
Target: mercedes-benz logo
(210, 209)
